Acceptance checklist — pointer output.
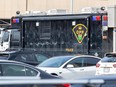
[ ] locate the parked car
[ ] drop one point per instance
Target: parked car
(19, 69)
(98, 81)
(107, 65)
(14, 68)
(27, 56)
(70, 66)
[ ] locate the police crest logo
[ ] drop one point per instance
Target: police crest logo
(80, 31)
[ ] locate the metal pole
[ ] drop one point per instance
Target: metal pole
(114, 40)
(26, 5)
(71, 6)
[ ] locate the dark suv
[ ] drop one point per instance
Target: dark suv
(27, 56)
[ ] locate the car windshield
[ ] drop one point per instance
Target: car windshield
(55, 61)
(109, 59)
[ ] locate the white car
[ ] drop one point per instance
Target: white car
(107, 65)
(70, 67)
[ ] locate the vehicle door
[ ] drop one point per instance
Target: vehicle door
(80, 67)
(15, 38)
(17, 70)
(5, 40)
(73, 69)
(89, 65)
(80, 30)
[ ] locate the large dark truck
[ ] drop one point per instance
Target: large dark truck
(65, 33)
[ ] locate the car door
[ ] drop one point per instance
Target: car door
(89, 65)
(17, 70)
(79, 67)
(13, 70)
(73, 69)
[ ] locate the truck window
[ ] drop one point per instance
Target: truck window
(6, 36)
(15, 36)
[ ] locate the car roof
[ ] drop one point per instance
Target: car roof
(11, 61)
(15, 62)
(16, 51)
(7, 52)
(76, 55)
(21, 51)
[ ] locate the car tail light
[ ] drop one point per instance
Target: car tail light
(97, 65)
(114, 65)
(66, 85)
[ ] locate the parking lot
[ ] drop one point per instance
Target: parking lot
(57, 43)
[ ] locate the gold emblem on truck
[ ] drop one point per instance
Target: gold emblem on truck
(80, 31)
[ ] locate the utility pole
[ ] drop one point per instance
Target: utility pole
(26, 5)
(71, 6)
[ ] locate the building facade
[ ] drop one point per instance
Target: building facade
(9, 7)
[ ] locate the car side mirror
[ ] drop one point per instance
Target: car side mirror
(70, 66)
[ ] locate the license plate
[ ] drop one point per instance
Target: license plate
(106, 70)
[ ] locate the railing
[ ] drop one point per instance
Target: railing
(35, 80)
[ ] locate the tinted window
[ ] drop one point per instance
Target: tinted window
(17, 70)
(78, 62)
(15, 35)
(96, 36)
(25, 58)
(40, 57)
(45, 32)
(109, 59)
(30, 72)
(6, 36)
(13, 70)
(90, 61)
